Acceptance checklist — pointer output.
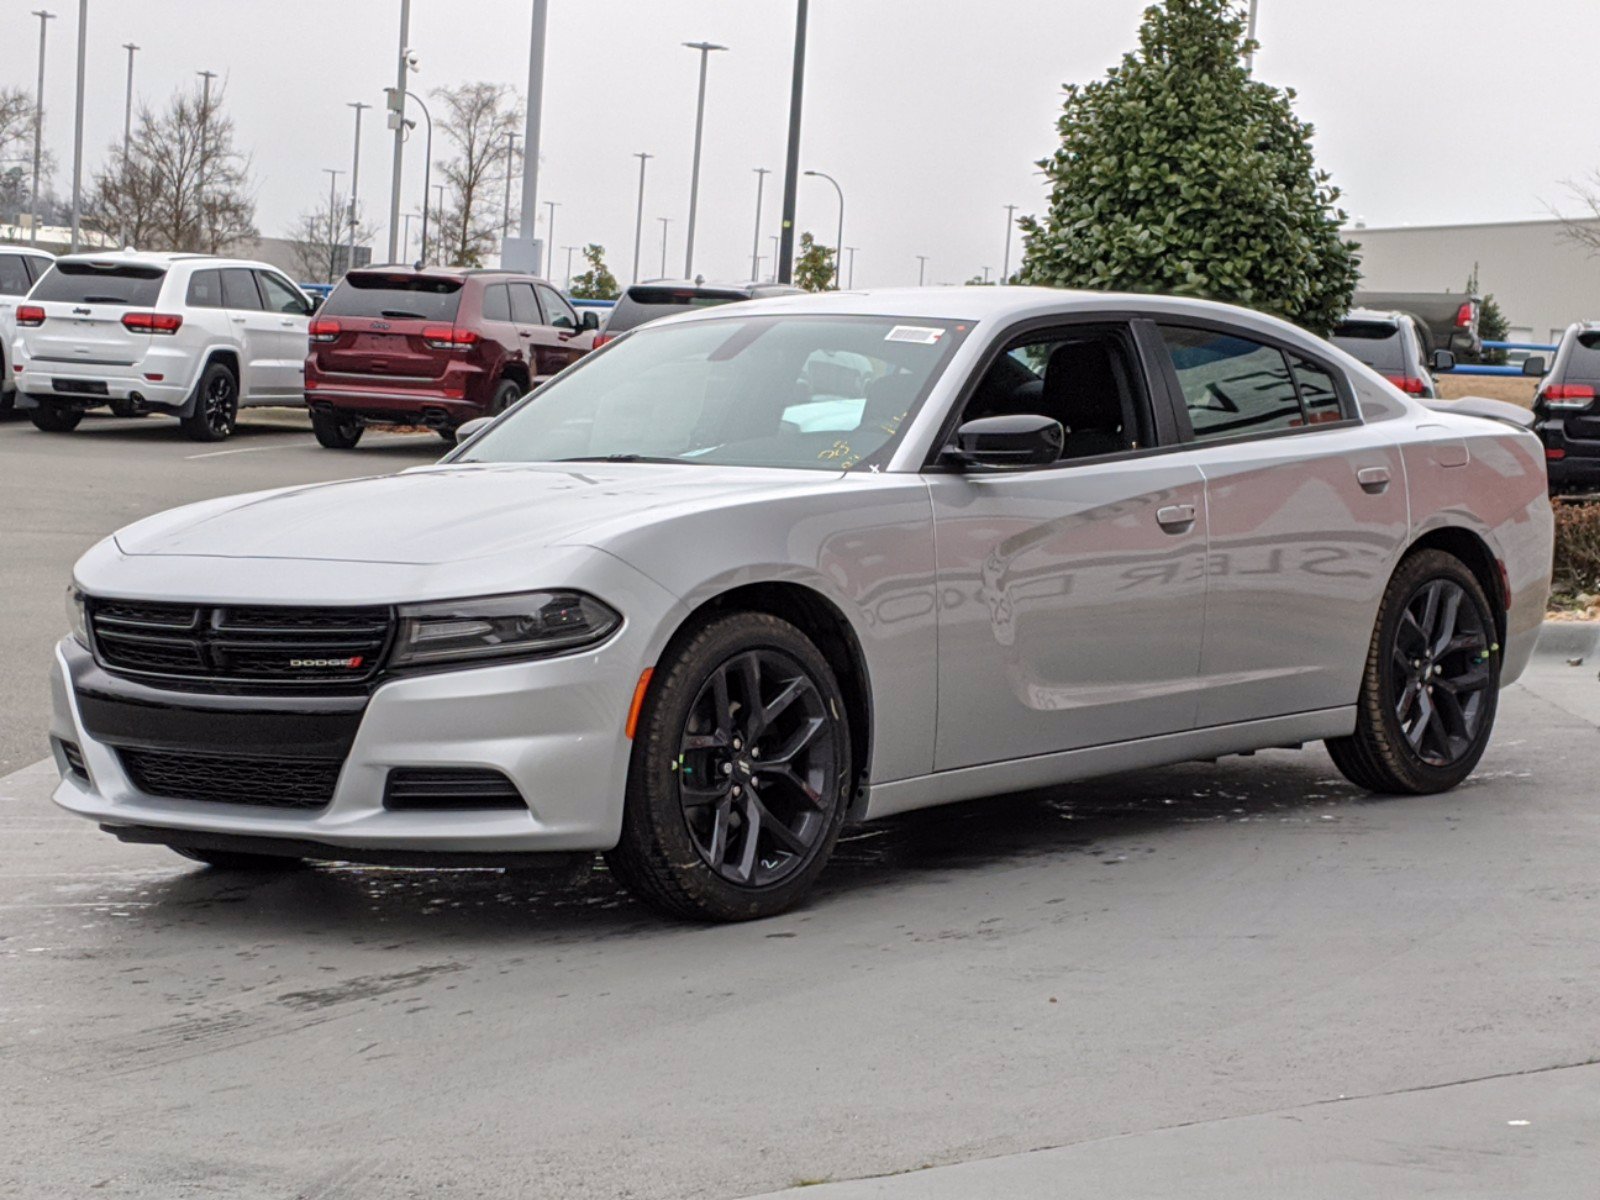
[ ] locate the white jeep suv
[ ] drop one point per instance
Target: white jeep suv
(185, 334)
(20, 268)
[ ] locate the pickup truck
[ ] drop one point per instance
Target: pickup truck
(1451, 318)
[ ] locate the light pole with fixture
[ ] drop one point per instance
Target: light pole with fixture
(1011, 219)
(127, 108)
(755, 246)
(333, 219)
(404, 61)
(38, 125)
(705, 49)
(638, 217)
(665, 221)
(838, 262)
(550, 232)
(355, 183)
(77, 125)
(397, 113)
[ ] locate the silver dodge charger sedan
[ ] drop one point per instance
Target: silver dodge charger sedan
(751, 573)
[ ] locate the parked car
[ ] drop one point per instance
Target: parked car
(190, 335)
(644, 302)
(648, 614)
(20, 268)
(1565, 409)
(435, 347)
(1395, 345)
(1450, 318)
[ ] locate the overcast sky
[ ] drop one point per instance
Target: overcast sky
(930, 113)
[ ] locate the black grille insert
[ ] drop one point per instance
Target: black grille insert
(74, 756)
(300, 783)
(320, 647)
(449, 789)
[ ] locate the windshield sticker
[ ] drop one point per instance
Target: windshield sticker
(921, 335)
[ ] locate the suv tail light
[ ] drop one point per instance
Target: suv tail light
(149, 322)
(30, 315)
(1464, 315)
(448, 337)
(1411, 385)
(1554, 453)
(322, 329)
(600, 339)
(1569, 395)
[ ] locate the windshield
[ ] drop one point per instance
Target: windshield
(827, 393)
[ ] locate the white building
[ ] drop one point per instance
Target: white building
(1542, 281)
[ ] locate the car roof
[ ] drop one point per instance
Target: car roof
(155, 258)
(1375, 315)
(447, 272)
(32, 251)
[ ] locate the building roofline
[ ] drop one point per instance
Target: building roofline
(1352, 231)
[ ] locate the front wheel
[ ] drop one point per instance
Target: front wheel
(740, 776)
(1431, 685)
(336, 430)
(216, 406)
(55, 418)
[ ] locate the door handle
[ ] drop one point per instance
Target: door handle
(1373, 479)
(1175, 518)
(238, 320)
(287, 322)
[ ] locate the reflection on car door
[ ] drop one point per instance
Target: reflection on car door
(569, 342)
(287, 319)
(1071, 597)
(253, 328)
(1307, 514)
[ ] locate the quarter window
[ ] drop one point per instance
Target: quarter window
(1319, 392)
(1232, 385)
(14, 279)
(205, 290)
(496, 304)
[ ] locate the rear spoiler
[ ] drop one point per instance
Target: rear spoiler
(1490, 410)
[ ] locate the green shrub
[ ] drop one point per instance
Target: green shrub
(1577, 557)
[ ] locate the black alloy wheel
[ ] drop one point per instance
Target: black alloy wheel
(336, 430)
(740, 776)
(1431, 684)
(216, 406)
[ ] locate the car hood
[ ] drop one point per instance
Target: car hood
(446, 514)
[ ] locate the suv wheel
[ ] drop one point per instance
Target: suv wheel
(336, 430)
(55, 418)
(740, 775)
(127, 408)
(216, 406)
(506, 393)
(1431, 685)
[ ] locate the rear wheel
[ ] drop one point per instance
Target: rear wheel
(233, 860)
(1432, 682)
(336, 430)
(55, 418)
(740, 774)
(216, 407)
(127, 408)
(506, 393)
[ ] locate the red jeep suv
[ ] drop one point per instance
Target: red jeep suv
(435, 347)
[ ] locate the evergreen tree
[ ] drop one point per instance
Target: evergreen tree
(814, 269)
(597, 283)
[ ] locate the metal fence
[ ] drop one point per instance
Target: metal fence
(1509, 368)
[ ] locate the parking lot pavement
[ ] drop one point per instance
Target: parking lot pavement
(64, 492)
(1243, 974)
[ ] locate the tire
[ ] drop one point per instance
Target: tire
(1431, 684)
(336, 430)
(127, 408)
(8, 402)
(728, 851)
(233, 860)
(447, 433)
(55, 418)
(506, 393)
(216, 406)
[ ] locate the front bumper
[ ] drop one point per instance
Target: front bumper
(552, 726)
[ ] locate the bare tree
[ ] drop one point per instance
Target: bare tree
(16, 118)
(182, 185)
(478, 119)
(16, 139)
(1582, 230)
(319, 239)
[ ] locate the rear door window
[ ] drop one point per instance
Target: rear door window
(1232, 385)
(132, 285)
(399, 297)
(14, 280)
(524, 308)
(205, 290)
(239, 290)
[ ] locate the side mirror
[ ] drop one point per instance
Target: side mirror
(467, 428)
(315, 301)
(1023, 440)
(590, 320)
(1534, 365)
(1444, 360)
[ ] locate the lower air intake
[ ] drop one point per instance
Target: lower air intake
(449, 789)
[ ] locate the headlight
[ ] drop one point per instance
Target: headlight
(528, 625)
(77, 618)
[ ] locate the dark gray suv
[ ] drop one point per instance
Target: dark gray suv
(644, 302)
(1566, 415)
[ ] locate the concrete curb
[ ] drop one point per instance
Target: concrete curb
(1569, 639)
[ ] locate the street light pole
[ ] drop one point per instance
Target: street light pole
(127, 108)
(205, 125)
(505, 212)
(550, 232)
(1011, 219)
(922, 268)
(427, 166)
(38, 125)
(838, 262)
(333, 219)
(77, 125)
(530, 129)
(1250, 35)
(638, 217)
(439, 191)
(355, 184)
(852, 280)
(569, 250)
(755, 246)
(405, 238)
(398, 107)
(665, 221)
(705, 49)
(791, 162)
(776, 242)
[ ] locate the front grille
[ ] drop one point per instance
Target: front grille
(319, 647)
(230, 779)
(449, 789)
